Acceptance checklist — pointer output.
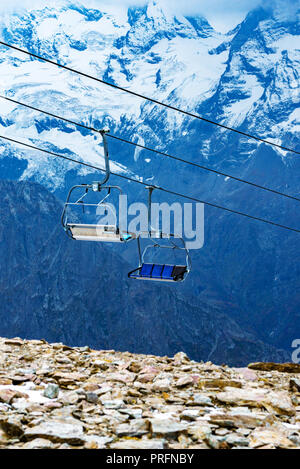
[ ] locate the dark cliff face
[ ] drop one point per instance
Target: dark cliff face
(55, 288)
(247, 271)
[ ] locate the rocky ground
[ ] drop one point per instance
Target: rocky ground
(55, 396)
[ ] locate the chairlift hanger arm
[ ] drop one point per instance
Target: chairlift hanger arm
(150, 189)
(106, 156)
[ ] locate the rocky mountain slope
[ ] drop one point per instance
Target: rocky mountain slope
(79, 293)
(56, 397)
(247, 78)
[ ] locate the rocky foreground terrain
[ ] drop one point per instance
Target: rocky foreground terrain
(55, 396)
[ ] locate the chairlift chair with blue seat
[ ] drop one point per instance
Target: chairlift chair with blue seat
(160, 272)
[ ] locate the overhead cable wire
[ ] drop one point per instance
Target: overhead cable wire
(163, 189)
(154, 101)
(167, 155)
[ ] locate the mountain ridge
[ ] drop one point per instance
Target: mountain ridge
(77, 292)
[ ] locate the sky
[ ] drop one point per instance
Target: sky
(223, 15)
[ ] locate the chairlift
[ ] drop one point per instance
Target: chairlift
(160, 272)
(93, 231)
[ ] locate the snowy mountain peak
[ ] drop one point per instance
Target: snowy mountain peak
(247, 79)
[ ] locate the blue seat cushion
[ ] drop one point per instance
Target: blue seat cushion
(168, 272)
(157, 270)
(146, 270)
(163, 271)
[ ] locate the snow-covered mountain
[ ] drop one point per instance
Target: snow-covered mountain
(247, 78)
(150, 51)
